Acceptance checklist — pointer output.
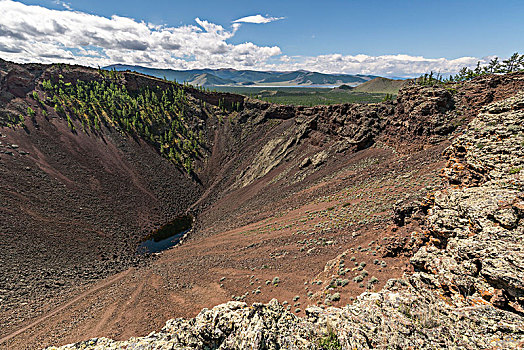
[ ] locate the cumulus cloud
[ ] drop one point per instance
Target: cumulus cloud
(386, 65)
(37, 34)
(257, 19)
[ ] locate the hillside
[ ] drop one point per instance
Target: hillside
(381, 85)
(309, 205)
(206, 79)
(232, 77)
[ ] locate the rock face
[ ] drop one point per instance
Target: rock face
(481, 227)
(492, 149)
(467, 291)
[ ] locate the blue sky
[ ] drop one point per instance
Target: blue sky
(397, 38)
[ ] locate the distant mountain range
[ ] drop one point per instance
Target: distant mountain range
(233, 77)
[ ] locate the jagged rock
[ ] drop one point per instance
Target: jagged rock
(233, 325)
(319, 158)
(402, 211)
(482, 225)
(492, 147)
(305, 163)
(18, 82)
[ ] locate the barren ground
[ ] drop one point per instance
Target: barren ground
(294, 242)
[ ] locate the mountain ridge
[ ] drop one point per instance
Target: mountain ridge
(233, 77)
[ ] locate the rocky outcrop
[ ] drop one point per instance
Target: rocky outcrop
(233, 325)
(492, 148)
(467, 291)
(424, 109)
(481, 226)
(419, 112)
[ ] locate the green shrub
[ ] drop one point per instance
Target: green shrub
(30, 112)
(329, 341)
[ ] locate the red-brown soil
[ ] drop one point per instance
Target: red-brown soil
(185, 279)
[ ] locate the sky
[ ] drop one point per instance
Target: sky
(400, 38)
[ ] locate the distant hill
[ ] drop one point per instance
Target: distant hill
(381, 85)
(240, 76)
(207, 79)
(344, 87)
(233, 77)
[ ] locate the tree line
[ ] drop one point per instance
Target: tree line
(515, 63)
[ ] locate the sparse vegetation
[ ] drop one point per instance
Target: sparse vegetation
(30, 112)
(388, 97)
(330, 341)
(160, 116)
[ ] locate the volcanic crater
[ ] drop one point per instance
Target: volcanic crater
(288, 202)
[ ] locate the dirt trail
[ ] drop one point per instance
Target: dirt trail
(66, 305)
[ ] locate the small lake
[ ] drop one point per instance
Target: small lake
(166, 236)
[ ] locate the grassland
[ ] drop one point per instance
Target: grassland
(302, 96)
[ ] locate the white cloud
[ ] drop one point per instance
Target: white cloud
(35, 33)
(257, 19)
(64, 4)
(38, 34)
(386, 65)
